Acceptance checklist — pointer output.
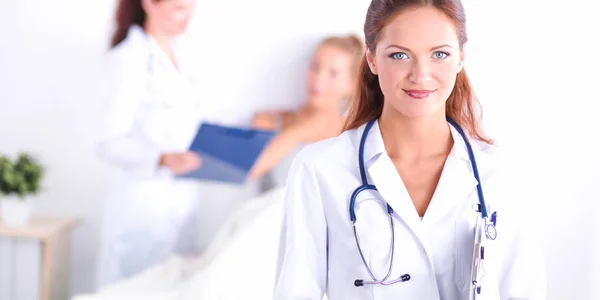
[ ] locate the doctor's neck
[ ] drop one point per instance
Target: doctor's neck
(155, 31)
(414, 139)
(163, 40)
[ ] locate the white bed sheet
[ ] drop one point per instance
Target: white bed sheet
(239, 264)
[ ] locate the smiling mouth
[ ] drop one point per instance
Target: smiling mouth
(419, 94)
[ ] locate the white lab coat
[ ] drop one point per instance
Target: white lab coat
(318, 253)
(154, 109)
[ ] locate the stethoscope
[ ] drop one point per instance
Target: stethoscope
(486, 227)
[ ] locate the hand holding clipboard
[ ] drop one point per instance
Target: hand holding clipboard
(227, 153)
(180, 163)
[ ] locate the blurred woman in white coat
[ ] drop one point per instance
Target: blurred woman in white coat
(410, 201)
(154, 114)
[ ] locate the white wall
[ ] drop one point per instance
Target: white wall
(530, 63)
(48, 57)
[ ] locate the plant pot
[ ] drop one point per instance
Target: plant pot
(15, 211)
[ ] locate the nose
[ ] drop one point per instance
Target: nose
(420, 72)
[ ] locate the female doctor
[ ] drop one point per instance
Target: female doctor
(153, 117)
(409, 202)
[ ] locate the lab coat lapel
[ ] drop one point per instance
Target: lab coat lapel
(383, 174)
(453, 190)
(385, 177)
(389, 184)
(457, 182)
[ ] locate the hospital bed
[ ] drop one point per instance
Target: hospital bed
(239, 263)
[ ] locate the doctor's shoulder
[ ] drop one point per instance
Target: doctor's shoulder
(130, 54)
(491, 162)
(327, 155)
(500, 179)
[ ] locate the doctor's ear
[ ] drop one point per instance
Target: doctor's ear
(371, 61)
(461, 62)
(147, 5)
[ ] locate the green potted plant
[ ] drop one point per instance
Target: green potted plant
(19, 181)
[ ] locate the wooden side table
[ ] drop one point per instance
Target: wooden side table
(35, 259)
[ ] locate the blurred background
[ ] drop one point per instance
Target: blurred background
(533, 65)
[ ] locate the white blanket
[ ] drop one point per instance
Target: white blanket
(239, 264)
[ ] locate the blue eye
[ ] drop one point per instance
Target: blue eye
(399, 55)
(440, 54)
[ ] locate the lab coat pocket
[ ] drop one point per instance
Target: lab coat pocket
(464, 238)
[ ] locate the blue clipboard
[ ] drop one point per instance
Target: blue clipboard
(227, 153)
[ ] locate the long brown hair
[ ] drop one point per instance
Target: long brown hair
(462, 104)
(129, 12)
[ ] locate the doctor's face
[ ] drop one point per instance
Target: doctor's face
(417, 59)
(170, 16)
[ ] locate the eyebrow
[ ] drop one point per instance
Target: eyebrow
(406, 49)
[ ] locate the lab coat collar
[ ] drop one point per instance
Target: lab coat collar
(454, 188)
(138, 33)
(374, 146)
